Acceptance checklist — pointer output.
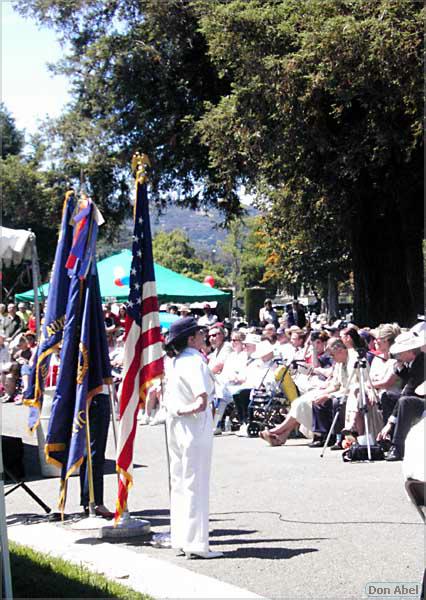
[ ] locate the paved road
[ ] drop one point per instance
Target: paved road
(291, 525)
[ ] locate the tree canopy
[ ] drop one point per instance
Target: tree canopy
(31, 196)
(315, 105)
(174, 251)
(326, 113)
(11, 139)
(139, 74)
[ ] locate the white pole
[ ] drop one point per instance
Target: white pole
(36, 282)
(7, 578)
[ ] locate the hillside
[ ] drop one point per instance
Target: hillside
(202, 227)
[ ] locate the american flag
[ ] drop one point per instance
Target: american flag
(143, 355)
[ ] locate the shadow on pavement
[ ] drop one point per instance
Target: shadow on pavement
(142, 540)
(110, 467)
(231, 541)
(155, 517)
(260, 540)
(221, 532)
(268, 553)
(33, 518)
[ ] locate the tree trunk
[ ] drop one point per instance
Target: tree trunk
(387, 258)
(332, 297)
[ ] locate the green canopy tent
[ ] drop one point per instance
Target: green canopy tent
(171, 286)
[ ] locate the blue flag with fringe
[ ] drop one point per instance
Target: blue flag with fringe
(54, 318)
(84, 361)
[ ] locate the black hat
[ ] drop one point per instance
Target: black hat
(182, 327)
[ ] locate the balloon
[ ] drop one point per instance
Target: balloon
(209, 280)
(120, 278)
(120, 281)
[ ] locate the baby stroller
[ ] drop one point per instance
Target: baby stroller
(269, 403)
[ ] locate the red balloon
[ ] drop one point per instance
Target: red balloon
(118, 282)
(209, 280)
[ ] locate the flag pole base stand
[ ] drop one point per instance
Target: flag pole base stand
(92, 523)
(126, 527)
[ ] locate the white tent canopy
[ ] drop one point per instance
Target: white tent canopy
(16, 245)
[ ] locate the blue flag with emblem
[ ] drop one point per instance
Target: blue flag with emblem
(54, 318)
(84, 361)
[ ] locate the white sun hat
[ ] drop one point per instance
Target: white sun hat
(406, 341)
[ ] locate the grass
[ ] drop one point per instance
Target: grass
(36, 575)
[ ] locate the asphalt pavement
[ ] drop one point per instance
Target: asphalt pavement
(291, 524)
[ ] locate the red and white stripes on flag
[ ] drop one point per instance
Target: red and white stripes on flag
(143, 352)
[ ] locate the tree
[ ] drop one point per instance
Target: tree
(174, 251)
(11, 139)
(31, 200)
(140, 75)
(32, 196)
(33, 190)
(327, 105)
(306, 245)
(245, 247)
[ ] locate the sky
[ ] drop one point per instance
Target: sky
(28, 89)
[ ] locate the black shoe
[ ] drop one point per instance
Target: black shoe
(317, 444)
(393, 455)
(337, 446)
(8, 398)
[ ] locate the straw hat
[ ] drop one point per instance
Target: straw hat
(263, 350)
(419, 328)
(407, 341)
(252, 338)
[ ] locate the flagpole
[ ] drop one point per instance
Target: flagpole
(6, 584)
(113, 401)
(89, 466)
(125, 524)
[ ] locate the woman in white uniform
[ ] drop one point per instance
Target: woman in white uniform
(188, 396)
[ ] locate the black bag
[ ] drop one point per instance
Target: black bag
(358, 453)
(13, 456)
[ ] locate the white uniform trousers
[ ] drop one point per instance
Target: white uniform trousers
(190, 441)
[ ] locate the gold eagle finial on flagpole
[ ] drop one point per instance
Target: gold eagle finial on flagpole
(140, 167)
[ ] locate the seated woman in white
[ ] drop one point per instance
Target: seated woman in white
(380, 378)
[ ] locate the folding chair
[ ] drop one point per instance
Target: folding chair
(416, 492)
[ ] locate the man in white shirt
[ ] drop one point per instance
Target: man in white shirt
(221, 350)
(208, 319)
(284, 348)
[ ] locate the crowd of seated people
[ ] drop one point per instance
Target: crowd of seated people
(390, 365)
(323, 362)
(327, 363)
(18, 343)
